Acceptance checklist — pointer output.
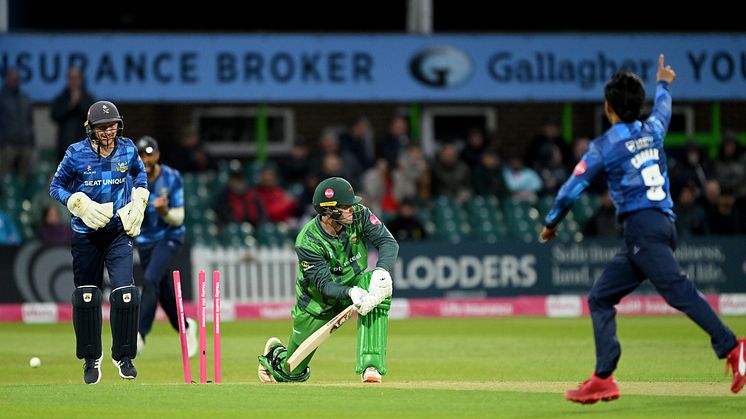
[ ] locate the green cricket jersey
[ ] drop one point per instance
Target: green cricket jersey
(328, 266)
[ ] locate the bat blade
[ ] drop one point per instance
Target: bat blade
(318, 337)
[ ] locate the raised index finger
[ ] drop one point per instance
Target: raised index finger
(660, 62)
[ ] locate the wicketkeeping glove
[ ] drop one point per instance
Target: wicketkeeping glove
(93, 214)
(133, 213)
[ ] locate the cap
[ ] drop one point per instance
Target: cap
(147, 145)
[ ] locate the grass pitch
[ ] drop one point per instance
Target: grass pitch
(502, 367)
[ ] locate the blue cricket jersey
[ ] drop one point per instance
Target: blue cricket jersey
(633, 158)
(103, 179)
(170, 184)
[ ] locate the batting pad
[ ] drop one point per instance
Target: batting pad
(372, 331)
(125, 303)
(87, 321)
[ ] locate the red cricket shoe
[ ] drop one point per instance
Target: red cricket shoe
(593, 390)
(737, 362)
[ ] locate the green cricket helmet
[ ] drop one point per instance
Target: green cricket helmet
(332, 193)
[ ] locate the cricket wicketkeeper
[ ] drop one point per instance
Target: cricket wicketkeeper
(332, 262)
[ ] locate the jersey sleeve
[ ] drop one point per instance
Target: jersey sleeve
(176, 197)
(137, 171)
(379, 235)
(316, 271)
(62, 179)
(660, 118)
(587, 168)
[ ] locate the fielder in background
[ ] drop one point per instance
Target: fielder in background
(631, 154)
(332, 261)
(95, 181)
(160, 240)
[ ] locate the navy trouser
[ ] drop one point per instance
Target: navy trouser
(649, 242)
(109, 245)
(155, 259)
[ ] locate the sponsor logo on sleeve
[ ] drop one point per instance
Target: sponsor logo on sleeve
(579, 168)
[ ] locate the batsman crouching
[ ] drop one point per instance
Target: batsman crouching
(332, 259)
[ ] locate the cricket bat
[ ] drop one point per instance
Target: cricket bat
(318, 337)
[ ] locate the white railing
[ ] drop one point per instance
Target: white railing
(257, 275)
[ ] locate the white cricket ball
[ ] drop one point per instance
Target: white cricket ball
(34, 362)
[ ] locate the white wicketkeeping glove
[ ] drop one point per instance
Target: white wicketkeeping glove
(133, 213)
(357, 294)
(381, 285)
(93, 214)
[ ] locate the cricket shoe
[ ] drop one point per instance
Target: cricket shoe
(371, 375)
(191, 335)
(593, 390)
(92, 370)
(737, 362)
(125, 367)
(264, 375)
(140, 344)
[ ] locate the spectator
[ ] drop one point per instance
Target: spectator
(9, 232)
(334, 162)
(411, 176)
(551, 169)
(396, 140)
(603, 222)
(487, 177)
(297, 165)
(70, 111)
(689, 167)
(522, 182)
(378, 188)
(16, 126)
(475, 146)
(691, 219)
(551, 134)
(53, 230)
(451, 177)
(359, 142)
(190, 156)
(730, 167)
(405, 226)
(726, 220)
(278, 204)
(237, 203)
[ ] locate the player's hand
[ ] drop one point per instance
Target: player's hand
(161, 205)
(547, 234)
(93, 214)
(368, 303)
(133, 213)
(356, 295)
(665, 72)
(381, 285)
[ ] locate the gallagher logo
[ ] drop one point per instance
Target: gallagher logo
(441, 67)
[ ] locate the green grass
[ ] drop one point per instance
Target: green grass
(503, 367)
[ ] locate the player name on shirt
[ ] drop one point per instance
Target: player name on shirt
(644, 156)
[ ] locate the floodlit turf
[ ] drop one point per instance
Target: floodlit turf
(503, 367)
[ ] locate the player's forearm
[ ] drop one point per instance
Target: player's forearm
(388, 251)
(329, 288)
(566, 197)
(662, 107)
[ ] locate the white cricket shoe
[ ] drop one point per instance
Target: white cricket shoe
(140, 344)
(371, 375)
(264, 375)
(191, 335)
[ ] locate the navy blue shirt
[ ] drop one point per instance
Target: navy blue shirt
(103, 179)
(169, 184)
(634, 161)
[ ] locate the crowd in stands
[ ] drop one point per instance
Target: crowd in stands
(391, 171)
